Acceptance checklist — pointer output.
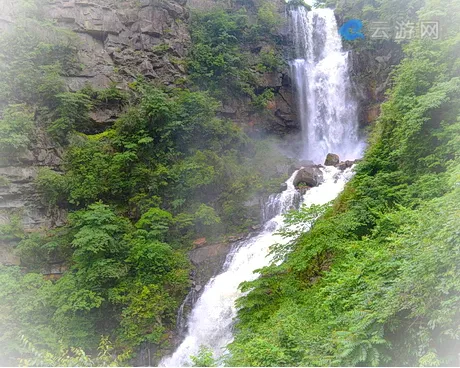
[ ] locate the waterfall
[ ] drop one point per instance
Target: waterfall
(210, 322)
(329, 124)
(326, 108)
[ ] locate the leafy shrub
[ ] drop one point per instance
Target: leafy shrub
(53, 187)
(267, 17)
(34, 56)
(16, 127)
(271, 60)
(73, 114)
(204, 358)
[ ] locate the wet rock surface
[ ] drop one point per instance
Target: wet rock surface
(120, 40)
(208, 261)
(310, 176)
(332, 160)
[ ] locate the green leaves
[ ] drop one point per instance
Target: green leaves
(296, 222)
(34, 55)
(204, 358)
(72, 357)
(16, 127)
(73, 114)
(206, 216)
(217, 60)
(156, 222)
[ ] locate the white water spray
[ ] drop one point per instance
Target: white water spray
(328, 116)
(211, 320)
(327, 111)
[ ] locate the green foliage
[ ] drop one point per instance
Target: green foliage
(21, 299)
(37, 251)
(302, 3)
(73, 357)
(4, 182)
(53, 187)
(161, 48)
(118, 273)
(16, 127)
(216, 58)
(34, 56)
(73, 114)
(107, 97)
(166, 172)
(98, 245)
(156, 221)
(296, 223)
(218, 62)
(206, 215)
(168, 150)
(262, 100)
(13, 229)
(270, 60)
(204, 358)
(267, 17)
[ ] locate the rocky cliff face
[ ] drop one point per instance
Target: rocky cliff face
(370, 71)
(280, 116)
(19, 200)
(117, 42)
(120, 40)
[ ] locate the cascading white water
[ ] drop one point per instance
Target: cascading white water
(327, 111)
(211, 320)
(329, 124)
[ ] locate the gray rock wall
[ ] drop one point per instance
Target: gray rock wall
(117, 41)
(19, 198)
(120, 40)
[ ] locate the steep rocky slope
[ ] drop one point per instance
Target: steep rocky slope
(116, 42)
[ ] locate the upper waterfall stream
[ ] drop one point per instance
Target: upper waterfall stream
(327, 112)
(326, 108)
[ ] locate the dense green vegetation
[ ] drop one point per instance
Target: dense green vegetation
(222, 60)
(137, 194)
(376, 280)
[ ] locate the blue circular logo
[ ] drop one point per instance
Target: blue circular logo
(351, 30)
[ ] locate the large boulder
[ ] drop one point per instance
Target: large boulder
(298, 165)
(332, 160)
(310, 176)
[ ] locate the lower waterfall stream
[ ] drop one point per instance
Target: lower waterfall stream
(211, 320)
